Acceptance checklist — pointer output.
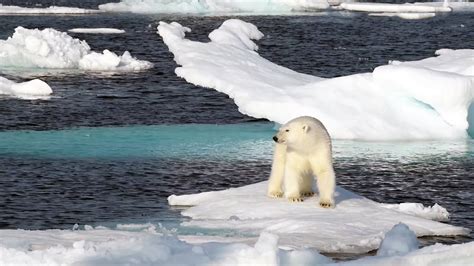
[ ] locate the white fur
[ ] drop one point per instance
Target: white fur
(303, 150)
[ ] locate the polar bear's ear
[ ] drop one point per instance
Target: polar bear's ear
(305, 128)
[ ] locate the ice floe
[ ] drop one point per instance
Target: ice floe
(9, 10)
(97, 30)
(356, 225)
(30, 90)
(396, 8)
(215, 6)
(404, 15)
(426, 99)
(52, 49)
(150, 246)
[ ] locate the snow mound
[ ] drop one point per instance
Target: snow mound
(4, 9)
(427, 99)
(395, 8)
(356, 225)
(215, 6)
(97, 30)
(149, 246)
(30, 90)
(398, 241)
(435, 212)
(49, 48)
(112, 247)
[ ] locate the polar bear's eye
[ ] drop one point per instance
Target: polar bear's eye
(287, 130)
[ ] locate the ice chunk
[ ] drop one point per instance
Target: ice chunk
(356, 225)
(215, 6)
(395, 8)
(427, 99)
(398, 241)
(405, 15)
(97, 30)
(49, 48)
(9, 10)
(33, 89)
(435, 212)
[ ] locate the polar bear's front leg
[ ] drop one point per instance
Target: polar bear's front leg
(295, 172)
(326, 180)
(278, 171)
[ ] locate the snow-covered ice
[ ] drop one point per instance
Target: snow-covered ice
(52, 49)
(395, 8)
(356, 225)
(406, 15)
(9, 10)
(215, 6)
(33, 89)
(150, 246)
(97, 30)
(435, 212)
(426, 99)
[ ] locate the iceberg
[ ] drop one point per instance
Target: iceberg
(426, 99)
(356, 225)
(215, 6)
(97, 30)
(11, 10)
(52, 49)
(29, 90)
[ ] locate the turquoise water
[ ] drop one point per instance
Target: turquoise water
(231, 141)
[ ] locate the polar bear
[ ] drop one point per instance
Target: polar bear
(303, 150)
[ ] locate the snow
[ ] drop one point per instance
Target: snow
(52, 49)
(9, 10)
(97, 30)
(30, 90)
(150, 246)
(406, 15)
(398, 241)
(435, 212)
(356, 225)
(395, 8)
(215, 6)
(426, 99)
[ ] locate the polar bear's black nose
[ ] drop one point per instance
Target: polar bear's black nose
(275, 138)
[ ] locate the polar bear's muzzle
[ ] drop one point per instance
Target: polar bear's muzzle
(275, 138)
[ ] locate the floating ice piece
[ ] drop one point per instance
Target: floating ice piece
(33, 89)
(427, 99)
(356, 225)
(398, 241)
(215, 6)
(9, 10)
(112, 247)
(395, 8)
(405, 15)
(49, 48)
(97, 30)
(435, 212)
(103, 246)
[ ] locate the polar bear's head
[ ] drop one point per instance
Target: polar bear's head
(295, 132)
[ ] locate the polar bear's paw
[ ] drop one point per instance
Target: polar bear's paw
(326, 204)
(307, 194)
(275, 194)
(295, 199)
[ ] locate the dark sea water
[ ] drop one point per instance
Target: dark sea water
(74, 179)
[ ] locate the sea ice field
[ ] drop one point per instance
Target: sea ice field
(144, 138)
